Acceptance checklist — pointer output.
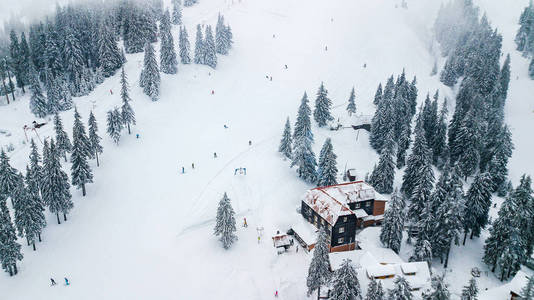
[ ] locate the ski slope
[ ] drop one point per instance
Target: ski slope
(144, 230)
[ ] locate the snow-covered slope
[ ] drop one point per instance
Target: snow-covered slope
(145, 231)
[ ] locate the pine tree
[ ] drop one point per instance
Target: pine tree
(303, 156)
(440, 290)
(222, 42)
(8, 177)
(74, 64)
(319, 271)
(505, 78)
(524, 200)
(168, 61)
(52, 91)
(381, 123)
(345, 283)
(29, 217)
(527, 292)
(81, 173)
(470, 291)
(430, 120)
(35, 167)
(351, 107)
(56, 187)
(184, 46)
(24, 62)
(127, 113)
(200, 48)
(327, 169)
(150, 78)
(63, 144)
(378, 95)
(94, 139)
(498, 165)
(403, 144)
(285, 144)
(439, 142)
(384, 173)
(375, 290)
(65, 97)
(133, 32)
(176, 12)
(225, 223)
(393, 225)
(401, 290)
(9, 248)
(321, 114)
(109, 55)
(478, 203)
(467, 146)
(210, 53)
(114, 124)
(38, 103)
(422, 251)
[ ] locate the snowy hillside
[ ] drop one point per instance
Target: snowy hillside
(145, 230)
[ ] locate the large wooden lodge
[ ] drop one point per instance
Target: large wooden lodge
(341, 209)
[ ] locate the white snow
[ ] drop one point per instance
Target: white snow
(144, 231)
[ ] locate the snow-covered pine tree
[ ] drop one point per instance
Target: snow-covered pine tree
(56, 187)
(378, 95)
(403, 144)
(381, 123)
(393, 225)
(467, 144)
(127, 113)
(321, 114)
(384, 173)
(351, 107)
(81, 173)
(286, 143)
(524, 200)
(52, 91)
(210, 53)
(401, 290)
(74, 64)
(94, 139)
(225, 227)
(527, 292)
(422, 251)
(345, 283)
(470, 291)
(114, 124)
(223, 36)
(188, 3)
(504, 79)
(375, 290)
(38, 103)
(63, 145)
(134, 37)
(176, 12)
(430, 120)
(439, 142)
(184, 46)
(200, 49)
(303, 156)
(29, 217)
(434, 69)
(150, 77)
(110, 58)
(440, 290)
(319, 273)
(478, 203)
(9, 248)
(327, 168)
(498, 166)
(99, 75)
(35, 167)
(65, 97)
(168, 61)
(419, 164)
(8, 177)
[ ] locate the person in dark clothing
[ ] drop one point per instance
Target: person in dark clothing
(66, 281)
(52, 281)
(214, 154)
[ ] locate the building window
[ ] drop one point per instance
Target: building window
(345, 219)
(315, 218)
(340, 240)
(306, 210)
(322, 222)
(368, 203)
(341, 229)
(357, 205)
(329, 227)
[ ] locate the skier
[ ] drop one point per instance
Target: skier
(245, 222)
(365, 65)
(297, 248)
(250, 143)
(183, 170)
(66, 281)
(273, 36)
(245, 170)
(286, 67)
(137, 135)
(110, 91)
(53, 282)
(214, 154)
(212, 92)
(226, 127)
(235, 171)
(276, 293)
(258, 239)
(325, 48)
(271, 78)
(193, 166)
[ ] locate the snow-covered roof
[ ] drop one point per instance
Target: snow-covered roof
(331, 202)
(381, 271)
(305, 230)
(503, 292)
(281, 240)
(360, 213)
(383, 262)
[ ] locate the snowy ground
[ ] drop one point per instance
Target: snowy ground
(144, 231)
